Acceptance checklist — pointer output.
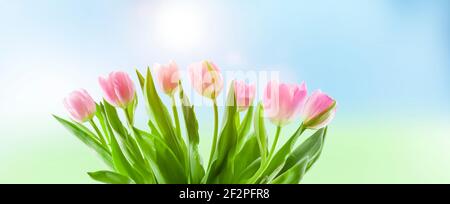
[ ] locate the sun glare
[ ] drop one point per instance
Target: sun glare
(180, 26)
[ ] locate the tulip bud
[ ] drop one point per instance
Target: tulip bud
(80, 105)
(206, 78)
(283, 102)
(245, 94)
(319, 110)
(118, 89)
(168, 77)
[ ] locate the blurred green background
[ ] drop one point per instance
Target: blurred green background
(385, 151)
(387, 62)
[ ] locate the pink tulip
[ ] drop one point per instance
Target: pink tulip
(245, 94)
(206, 78)
(80, 105)
(283, 102)
(319, 110)
(118, 89)
(168, 77)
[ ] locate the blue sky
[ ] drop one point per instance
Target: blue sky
(370, 55)
(387, 62)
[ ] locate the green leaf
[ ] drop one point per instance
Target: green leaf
(196, 170)
(248, 172)
(128, 144)
(162, 118)
(101, 119)
(190, 119)
(114, 120)
(221, 170)
(141, 163)
(164, 163)
(121, 163)
(88, 138)
(306, 154)
(109, 177)
(153, 129)
(137, 160)
(261, 134)
(130, 147)
(147, 148)
(132, 108)
(141, 79)
(245, 127)
(293, 175)
(248, 154)
(277, 162)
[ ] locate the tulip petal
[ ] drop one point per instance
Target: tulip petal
(80, 105)
(123, 87)
(168, 77)
(244, 94)
(206, 78)
(283, 102)
(319, 110)
(118, 89)
(108, 90)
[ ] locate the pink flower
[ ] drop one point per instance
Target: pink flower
(319, 110)
(118, 89)
(80, 105)
(206, 78)
(283, 102)
(168, 77)
(245, 94)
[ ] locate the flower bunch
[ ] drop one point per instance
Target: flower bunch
(164, 152)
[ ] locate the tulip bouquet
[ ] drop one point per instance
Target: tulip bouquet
(164, 152)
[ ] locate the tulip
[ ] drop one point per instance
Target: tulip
(206, 78)
(80, 105)
(283, 102)
(168, 77)
(319, 110)
(118, 89)
(208, 81)
(245, 94)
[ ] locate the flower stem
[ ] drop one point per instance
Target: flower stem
(264, 167)
(274, 145)
(175, 115)
(128, 117)
(179, 137)
(100, 135)
(216, 127)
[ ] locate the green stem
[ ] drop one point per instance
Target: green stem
(216, 127)
(175, 115)
(274, 145)
(128, 117)
(264, 167)
(178, 132)
(100, 135)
